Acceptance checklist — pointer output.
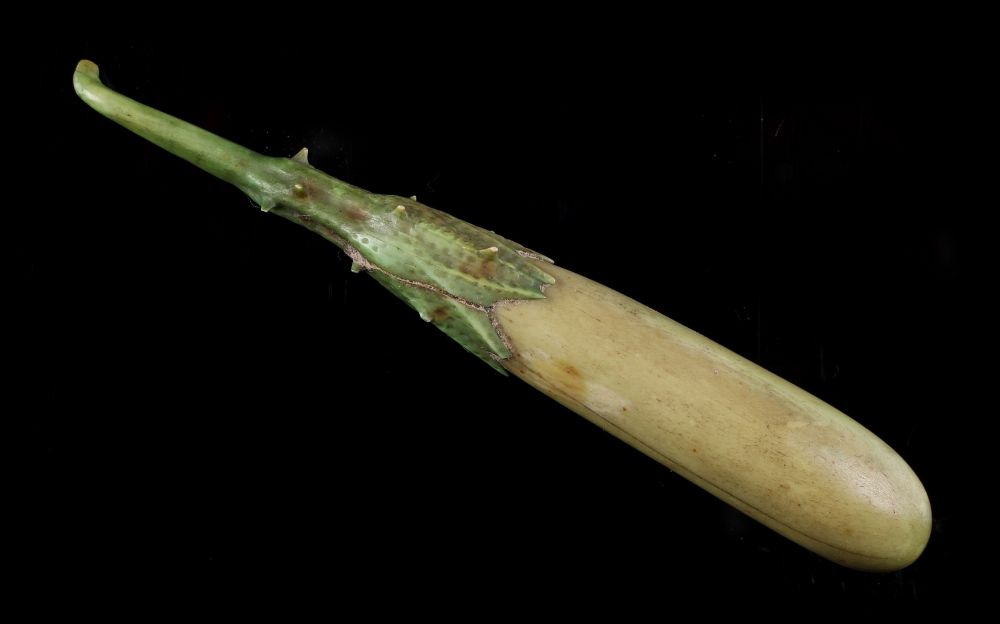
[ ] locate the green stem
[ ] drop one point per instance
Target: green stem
(450, 271)
(223, 159)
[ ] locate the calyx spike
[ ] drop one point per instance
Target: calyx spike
(302, 157)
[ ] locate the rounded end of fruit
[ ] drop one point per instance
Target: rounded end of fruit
(889, 538)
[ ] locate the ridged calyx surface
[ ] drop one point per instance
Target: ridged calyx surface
(450, 271)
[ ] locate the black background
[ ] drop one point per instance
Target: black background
(213, 400)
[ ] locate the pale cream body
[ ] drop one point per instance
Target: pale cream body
(763, 445)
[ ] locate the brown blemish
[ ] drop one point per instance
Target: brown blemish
(356, 214)
(566, 375)
(483, 269)
(488, 268)
(440, 313)
(304, 189)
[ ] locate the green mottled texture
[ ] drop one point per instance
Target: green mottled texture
(469, 327)
(448, 270)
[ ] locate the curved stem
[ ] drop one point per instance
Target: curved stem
(223, 159)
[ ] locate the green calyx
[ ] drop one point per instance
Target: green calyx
(450, 271)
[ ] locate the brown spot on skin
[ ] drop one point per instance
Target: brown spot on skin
(303, 190)
(694, 450)
(560, 374)
(356, 214)
(440, 313)
(479, 270)
(488, 268)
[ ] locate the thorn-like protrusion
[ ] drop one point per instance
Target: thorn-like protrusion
(425, 318)
(355, 267)
(490, 253)
(299, 190)
(302, 157)
(413, 197)
(400, 211)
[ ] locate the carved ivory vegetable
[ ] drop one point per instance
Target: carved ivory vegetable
(761, 444)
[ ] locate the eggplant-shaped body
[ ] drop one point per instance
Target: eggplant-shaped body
(761, 444)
